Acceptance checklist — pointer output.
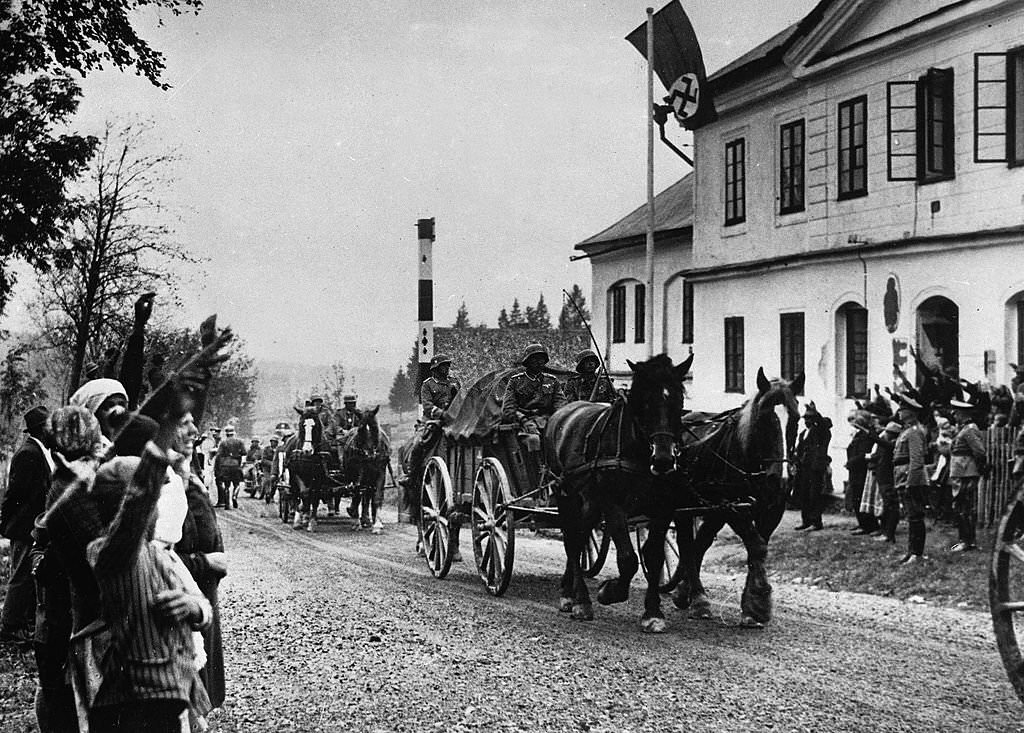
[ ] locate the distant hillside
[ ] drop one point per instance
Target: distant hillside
(283, 384)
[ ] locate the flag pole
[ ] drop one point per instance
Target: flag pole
(649, 299)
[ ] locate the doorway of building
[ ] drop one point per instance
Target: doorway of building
(938, 335)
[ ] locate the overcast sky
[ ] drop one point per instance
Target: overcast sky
(313, 135)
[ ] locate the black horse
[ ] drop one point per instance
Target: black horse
(605, 457)
(305, 454)
(366, 452)
(732, 469)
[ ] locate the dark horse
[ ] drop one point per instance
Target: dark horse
(604, 457)
(732, 468)
(366, 452)
(305, 454)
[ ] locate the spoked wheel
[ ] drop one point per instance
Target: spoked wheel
(435, 517)
(1006, 590)
(595, 552)
(671, 572)
(493, 526)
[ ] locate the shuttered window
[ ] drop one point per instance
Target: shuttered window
(901, 130)
(1015, 107)
(935, 159)
(991, 109)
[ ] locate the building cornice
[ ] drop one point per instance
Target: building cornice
(872, 250)
(597, 249)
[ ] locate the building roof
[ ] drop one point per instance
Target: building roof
(673, 210)
(768, 54)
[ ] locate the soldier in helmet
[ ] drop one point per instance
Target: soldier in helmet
(267, 456)
(436, 395)
(531, 397)
(327, 419)
(349, 416)
(586, 384)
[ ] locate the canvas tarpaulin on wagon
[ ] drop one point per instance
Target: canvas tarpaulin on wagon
(478, 414)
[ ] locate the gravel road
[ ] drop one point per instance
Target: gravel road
(348, 631)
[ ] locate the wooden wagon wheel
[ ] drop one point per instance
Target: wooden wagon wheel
(435, 517)
(671, 571)
(1006, 590)
(595, 552)
(493, 526)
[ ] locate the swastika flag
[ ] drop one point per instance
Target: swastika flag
(679, 64)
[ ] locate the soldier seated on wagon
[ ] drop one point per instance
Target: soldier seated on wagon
(436, 396)
(586, 384)
(349, 416)
(531, 397)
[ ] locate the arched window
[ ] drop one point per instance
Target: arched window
(852, 350)
(938, 335)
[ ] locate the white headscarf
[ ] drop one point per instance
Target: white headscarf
(92, 394)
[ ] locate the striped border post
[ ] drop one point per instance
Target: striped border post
(425, 330)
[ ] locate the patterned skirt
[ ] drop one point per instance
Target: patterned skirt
(871, 500)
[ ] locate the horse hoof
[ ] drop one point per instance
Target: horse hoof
(375, 530)
(612, 592)
(565, 605)
(652, 625)
(749, 622)
(700, 608)
(311, 527)
(583, 612)
(353, 513)
(682, 602)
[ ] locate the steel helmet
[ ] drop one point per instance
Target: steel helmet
(586, 354)
(534, 349)
(438, 360)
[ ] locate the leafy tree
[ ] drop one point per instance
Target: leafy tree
(401, 398)
(516, 319)
(39, 41)
(503, 319)
(412, 370)
(121, 250)
(20, 389)
(462, 317)
(569, 318)
(538, 317)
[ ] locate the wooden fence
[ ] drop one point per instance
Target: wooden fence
(996, 489)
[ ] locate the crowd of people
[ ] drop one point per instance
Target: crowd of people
(918, 452)
(116, 553)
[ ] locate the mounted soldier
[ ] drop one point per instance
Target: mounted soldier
(586, 384)
(436, 396)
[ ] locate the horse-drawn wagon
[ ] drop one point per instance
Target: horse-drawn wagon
(479, 473)
(1006, 589)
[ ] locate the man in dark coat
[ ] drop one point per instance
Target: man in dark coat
(586, 384)
(27, 484)
(228, 466)
(811, 454)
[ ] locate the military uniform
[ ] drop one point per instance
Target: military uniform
(581, 386)
(530, 401)
(349, 418)
(436, 395)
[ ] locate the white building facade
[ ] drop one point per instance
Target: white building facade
(862, 193)
(618, 270)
